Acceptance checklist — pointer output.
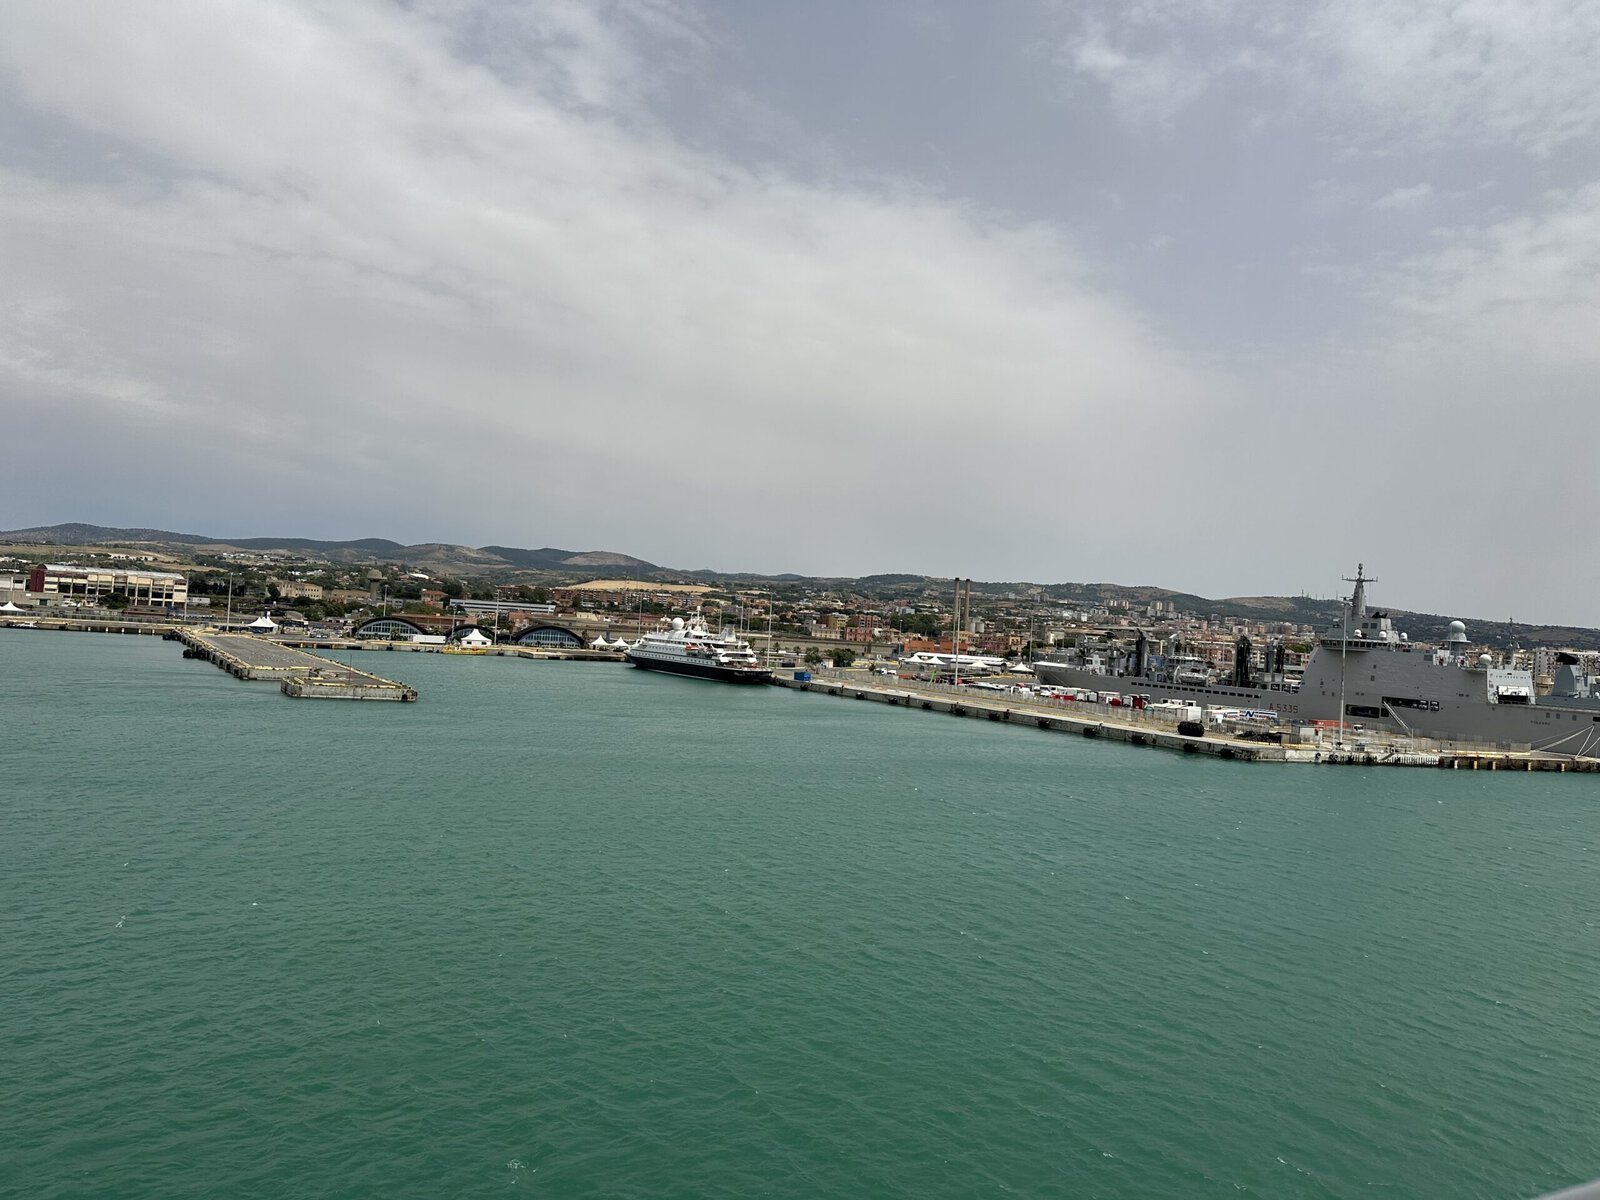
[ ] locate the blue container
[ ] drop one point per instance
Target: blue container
(802, 676)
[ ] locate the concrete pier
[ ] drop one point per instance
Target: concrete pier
(1142, 728)
(298, 673)
(499, 650)
(1018, 711)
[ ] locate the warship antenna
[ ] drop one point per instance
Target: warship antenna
(1358, 599)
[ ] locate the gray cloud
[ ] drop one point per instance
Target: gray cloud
(1393, 71)
(472, 273)
(1414, 196)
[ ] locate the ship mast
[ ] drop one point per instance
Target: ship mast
(1357, 604)
(1358, 598)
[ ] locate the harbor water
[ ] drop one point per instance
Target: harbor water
(573, 929)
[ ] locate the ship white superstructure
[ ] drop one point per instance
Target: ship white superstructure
(689, 648)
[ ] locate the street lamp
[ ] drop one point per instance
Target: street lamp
(1344, 646)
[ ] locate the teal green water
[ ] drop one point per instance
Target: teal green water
(568, 929)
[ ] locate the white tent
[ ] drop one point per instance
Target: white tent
(600, 642)
(263, 624)
(9, 607)
(474, 638)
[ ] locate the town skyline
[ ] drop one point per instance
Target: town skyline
(505, 565)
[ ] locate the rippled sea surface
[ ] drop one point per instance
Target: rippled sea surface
(570, 929)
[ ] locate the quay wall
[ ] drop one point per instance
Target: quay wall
(320, 678)
(302, 687)
(495, 651)
(1144, 729)
(994, 709)
(82, 625)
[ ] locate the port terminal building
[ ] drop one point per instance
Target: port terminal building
(55, 584)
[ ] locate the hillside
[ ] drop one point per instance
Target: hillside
(441, 557)
(549, 564)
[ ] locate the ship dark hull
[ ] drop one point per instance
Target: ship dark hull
(700, 670)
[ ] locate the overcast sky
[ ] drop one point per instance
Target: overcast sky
(1216, 295)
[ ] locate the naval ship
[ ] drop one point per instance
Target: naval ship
(1366, 675)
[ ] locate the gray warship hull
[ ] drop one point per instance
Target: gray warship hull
(1445, 703)
(1387, 683)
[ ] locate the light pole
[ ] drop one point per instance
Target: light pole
(1344, 646)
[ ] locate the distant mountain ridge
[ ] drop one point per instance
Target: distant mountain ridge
(77, 534)
(548, 558)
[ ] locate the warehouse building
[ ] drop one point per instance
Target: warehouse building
(55, 583)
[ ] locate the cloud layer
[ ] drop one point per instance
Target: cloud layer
(452, 271)
(1415, 73)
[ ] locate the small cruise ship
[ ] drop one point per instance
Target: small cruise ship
(689, 648)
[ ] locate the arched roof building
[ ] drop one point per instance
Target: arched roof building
(548, 637)
(387, 628)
